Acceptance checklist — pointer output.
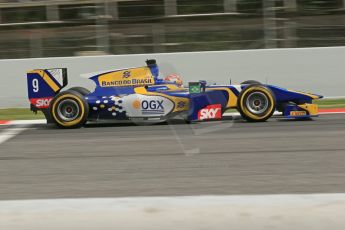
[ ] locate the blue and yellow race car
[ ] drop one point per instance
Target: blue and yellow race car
(136, 94)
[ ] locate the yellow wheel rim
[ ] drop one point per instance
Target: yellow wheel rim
(245, 110)
(73, 122)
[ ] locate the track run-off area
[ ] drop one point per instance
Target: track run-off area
(210, 158)
(227, 174)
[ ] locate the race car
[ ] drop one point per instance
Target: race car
(140, 94)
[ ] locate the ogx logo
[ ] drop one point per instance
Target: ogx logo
(152, 106)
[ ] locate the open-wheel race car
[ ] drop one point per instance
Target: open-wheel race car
(136, 94)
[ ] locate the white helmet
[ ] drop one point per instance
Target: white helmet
(174, 78)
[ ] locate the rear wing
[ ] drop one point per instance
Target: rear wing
(43, 85)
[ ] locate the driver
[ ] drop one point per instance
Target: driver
(175, 79)
(172, 78)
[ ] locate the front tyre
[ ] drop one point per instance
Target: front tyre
(69, 109)
(256, 103)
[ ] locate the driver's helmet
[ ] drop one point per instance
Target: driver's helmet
(174, 78)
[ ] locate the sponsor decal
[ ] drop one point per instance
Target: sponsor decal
(148, 81)
(298, 113)
(194, 87)
(181, 104)
(132, 77)
(41, 103)
(152, 107)
(138, 105)
(149, 106)
(126, 74)
(210, 112)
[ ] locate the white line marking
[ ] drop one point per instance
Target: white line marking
(29, 122)
(279, 113)
(262, 212)
(38, 122)
(238, 114)
(26, 122)
(10, 133)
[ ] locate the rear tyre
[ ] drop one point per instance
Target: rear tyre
(250, 82)
(83, 91)
(256, 103)
(69, 109)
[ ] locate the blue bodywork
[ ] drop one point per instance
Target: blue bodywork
(160, 98)
(198, 101)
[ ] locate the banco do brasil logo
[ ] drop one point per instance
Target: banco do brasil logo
(126, 74)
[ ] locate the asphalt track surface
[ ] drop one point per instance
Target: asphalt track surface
(221, 158)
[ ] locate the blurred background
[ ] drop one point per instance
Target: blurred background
(55, 28)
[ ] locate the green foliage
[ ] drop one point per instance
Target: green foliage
(317, 5)
(200, 6)
(147, 8)
(249, 6)
(331, 103)
(23, 14)
(78, 12)
(136, 31)
(19, 114)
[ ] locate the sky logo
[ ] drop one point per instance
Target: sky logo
(210, 112)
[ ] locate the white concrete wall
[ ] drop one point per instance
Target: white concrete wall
(239, 212)
(318, 70)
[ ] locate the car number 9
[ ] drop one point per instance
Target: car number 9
(35, 85)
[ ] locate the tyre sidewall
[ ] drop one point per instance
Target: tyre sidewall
(242, 107)
(83, 109)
